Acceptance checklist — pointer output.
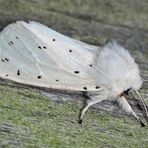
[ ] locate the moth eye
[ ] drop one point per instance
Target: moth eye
(39, 47)
(53, 39)
(70, 50)
(85, 88)
(76, 72)
(6, 59)
(97, 87)
(17, 37)
(57, 80)
(44, 47)
(90, 65)
(18, 72)
(39, 77)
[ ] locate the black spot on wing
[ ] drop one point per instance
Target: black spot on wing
(6, 75)
(90, 65)
(53, 39)
(85, 88)
(39, 47)
(6, 59)
(17, 37)
(18, 72)
(97, 87)
(76, 72)
(39, 77)
(11, 42)
(57, 80)
(70, 50)
(44, 47)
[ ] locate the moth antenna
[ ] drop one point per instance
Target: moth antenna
(141, 98)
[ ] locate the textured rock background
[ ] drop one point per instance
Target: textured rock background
(31, 117)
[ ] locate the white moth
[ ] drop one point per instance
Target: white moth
(31, 53)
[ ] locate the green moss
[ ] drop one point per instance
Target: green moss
(79, 18)
(33, 120)
(121, 12)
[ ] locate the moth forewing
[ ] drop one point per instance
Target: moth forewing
(46, 58)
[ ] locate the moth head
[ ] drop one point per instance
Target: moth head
(123, 70)
(118, 69)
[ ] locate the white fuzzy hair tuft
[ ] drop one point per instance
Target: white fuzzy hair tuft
(118, 70)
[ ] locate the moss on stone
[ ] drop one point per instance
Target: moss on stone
(30, 119)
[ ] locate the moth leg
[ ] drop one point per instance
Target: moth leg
(88, 102)
(82, 112)
(127, 108)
